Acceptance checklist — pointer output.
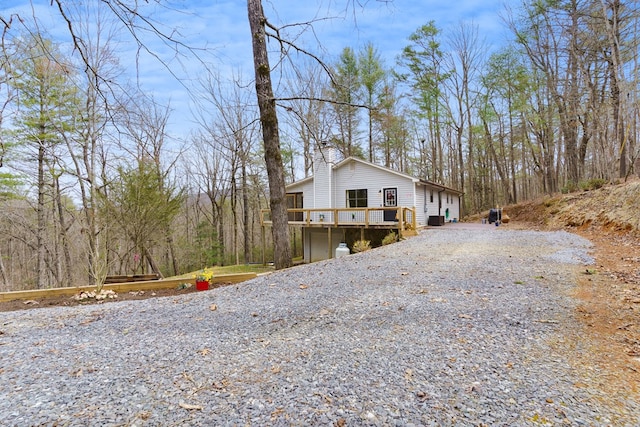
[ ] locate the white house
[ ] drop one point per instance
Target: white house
(352, 195)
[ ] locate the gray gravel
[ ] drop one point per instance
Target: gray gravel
(461, 326)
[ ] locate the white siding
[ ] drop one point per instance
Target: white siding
(355, 176)
(306, 188)
(448, 200)
(323, 179)
(432, 202)
(421, 193)
(316, 243)
(329, 185)
(454, 207)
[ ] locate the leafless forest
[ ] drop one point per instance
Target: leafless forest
(92, 182)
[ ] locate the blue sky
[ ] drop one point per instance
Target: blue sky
(222, 28)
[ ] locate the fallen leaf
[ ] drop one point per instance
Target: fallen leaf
(408, 374)
(303, 286)
(213, 307)
(204, 351)
(31, 302)
(276, 413)
(464, 316)
(340, 423)
(190, 407)
(404, 274)
(144, 415)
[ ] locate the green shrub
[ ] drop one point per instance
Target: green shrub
(361, 246)
(392, 237)
(592, 184)
(569, 188)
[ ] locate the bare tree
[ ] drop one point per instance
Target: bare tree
(466, 61)
(147, 130)
(87, 143)
(372, 73)
(270, 134)
(309, 114)
(230, 121)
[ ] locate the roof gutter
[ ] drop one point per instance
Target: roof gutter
(442, 187)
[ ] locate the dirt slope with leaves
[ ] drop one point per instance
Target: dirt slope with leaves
(609, 292)
(610, 209)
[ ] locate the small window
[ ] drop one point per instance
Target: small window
(294, 201)
(357, 198)
(431, 196)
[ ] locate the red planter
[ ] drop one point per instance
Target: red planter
(202, 285)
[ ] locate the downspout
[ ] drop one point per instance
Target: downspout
(440, 203)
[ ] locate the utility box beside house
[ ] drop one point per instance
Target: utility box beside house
(436, 220)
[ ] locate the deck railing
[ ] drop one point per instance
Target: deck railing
(402, 217)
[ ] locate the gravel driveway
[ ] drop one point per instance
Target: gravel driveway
(462, 325)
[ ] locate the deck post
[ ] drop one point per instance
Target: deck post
(330, 242)
(414, 221)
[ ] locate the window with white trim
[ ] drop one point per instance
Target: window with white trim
(357, 198)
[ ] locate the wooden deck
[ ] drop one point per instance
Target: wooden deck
(402, 218)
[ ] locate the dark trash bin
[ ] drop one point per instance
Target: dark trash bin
(495, 215)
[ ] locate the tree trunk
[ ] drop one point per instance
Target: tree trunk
(3, 275)
(269, 122)
(615, 74)
(152, 262)
(172, 261)
(66, 276)
(245, 209)
(41, 264)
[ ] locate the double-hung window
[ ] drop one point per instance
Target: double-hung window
(357, 198)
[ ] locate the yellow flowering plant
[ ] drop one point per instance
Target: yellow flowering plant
(205, 275)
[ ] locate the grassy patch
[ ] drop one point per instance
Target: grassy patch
(230, 269)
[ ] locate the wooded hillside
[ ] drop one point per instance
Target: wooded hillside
(92, 182)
